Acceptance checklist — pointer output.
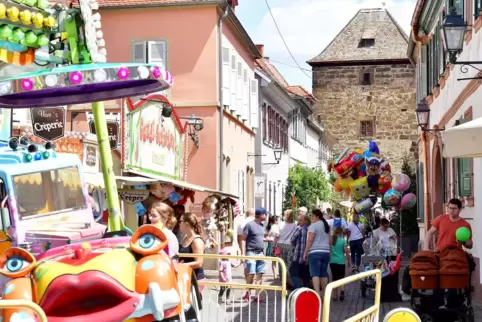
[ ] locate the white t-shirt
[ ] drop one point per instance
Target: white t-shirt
(384, 236)
(242, 224)
(355, 232)
(286, 233)
(172, 242)
(343, 223)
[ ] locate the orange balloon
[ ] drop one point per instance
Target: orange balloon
(336, 186)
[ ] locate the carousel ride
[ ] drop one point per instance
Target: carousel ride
(134, 277)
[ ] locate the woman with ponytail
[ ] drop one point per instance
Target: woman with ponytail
(317, 251)
(192, 244)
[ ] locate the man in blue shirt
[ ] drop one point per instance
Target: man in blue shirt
(254, 234)
(298, 269)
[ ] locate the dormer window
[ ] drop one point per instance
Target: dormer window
(368, 39)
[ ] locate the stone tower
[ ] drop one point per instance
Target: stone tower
(365, 87)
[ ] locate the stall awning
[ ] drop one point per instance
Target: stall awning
(463, 141)
(177, 183)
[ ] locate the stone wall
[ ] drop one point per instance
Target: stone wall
(390, 101)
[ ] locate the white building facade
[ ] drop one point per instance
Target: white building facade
(452, 102)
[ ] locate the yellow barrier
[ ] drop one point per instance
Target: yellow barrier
(370, 314)
(243, 286)
(10, 304)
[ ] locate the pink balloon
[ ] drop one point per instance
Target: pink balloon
(401, 182)
(408, 201)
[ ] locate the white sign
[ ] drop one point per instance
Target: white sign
(155, 142)
(260, 185)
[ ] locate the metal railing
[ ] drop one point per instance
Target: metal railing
(270, 301)
(369, 315)
(24, 304)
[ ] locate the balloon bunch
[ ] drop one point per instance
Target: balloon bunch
(364, 175)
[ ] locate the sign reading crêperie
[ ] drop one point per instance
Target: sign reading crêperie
(112, 131)
(155, 142)
(48, 123)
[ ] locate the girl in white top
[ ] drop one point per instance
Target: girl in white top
(355, 239)
(162, 216)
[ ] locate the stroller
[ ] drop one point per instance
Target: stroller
(439, 294)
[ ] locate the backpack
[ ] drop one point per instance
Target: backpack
(336, 222)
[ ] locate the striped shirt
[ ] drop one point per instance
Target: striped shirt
(298, 240)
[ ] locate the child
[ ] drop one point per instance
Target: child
(339, 252)
(225, 274)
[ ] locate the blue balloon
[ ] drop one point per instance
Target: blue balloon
(174, 197)
(367, 154)
(140, 209)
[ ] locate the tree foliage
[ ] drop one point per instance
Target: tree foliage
(409, 217)
(309, 185)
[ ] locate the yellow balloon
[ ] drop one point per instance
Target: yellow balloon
(359, 188)
(345, 182)
(359, 151)
(403, 317)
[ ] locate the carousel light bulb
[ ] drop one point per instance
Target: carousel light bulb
(123, 73)
(143, 72)
(5, 88)
(101, 58)
(76, 77)
(94, 6)
(99, 34)
(27, 84)
(97, 24)
(96, 17)
(156, 72)
(103, 51)
(51, 80)
(100, 75)
(101, 43)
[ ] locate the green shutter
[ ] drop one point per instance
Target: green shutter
(465, 176)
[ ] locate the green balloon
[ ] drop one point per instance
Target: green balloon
(30, 39)
(5, 32)
(462, 234)
(43, 40)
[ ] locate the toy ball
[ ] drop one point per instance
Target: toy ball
(408, 201)
(359, 188)
(401, 182)
(462, 234)
(384, 183)
(174, 197)
(363, 206)
(392, 197)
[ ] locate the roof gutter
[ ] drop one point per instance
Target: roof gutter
(172, 4)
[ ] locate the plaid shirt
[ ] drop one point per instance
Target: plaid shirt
(298, 240)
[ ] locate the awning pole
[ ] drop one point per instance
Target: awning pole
(115, 222)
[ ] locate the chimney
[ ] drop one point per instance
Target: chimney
(260, 49)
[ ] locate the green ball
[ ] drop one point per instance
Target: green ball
(46, 155)
(28, 158)
(462, 234)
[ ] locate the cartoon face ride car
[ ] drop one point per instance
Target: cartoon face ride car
(109, 280)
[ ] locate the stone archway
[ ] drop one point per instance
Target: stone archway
(437, 197)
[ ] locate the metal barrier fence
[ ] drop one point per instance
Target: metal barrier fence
(269, 303)
(369, 315)
(14, 304)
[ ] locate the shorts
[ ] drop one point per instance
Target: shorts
(337, 271)
(255, 266)
(318, 262)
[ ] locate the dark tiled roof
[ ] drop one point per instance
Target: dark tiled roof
(390, 40)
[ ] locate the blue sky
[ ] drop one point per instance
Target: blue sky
(307, 27)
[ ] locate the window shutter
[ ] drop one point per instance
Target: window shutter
(139, 52)
(156, 53)
(226, 92)
(254, 104)
(465, 184)
(277, 129)
(444, 179)
(234, 87)
(246, 96)
(239, 92)
(265, 123)
(241, 190)
(420, 193)
(424, 71)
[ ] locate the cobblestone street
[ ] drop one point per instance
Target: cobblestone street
(270, 310)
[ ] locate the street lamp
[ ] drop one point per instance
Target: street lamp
(277, 157)
(453, 29)
(423, 117)
(195, 124)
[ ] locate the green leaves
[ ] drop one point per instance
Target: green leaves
(309, 185)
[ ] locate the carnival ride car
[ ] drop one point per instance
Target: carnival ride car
(110, 280)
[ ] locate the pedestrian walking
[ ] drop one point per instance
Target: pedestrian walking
(298, 269)
(355, 239)
(225, 275)
(339, 256)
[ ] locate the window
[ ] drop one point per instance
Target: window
(264, 110)
(366, 43)
(367, 128)
(49, 191)
(277, 130)
(154, 52)
(465, 166)
(367, 78)
(298, 130)
(457, 4)
(477, 8)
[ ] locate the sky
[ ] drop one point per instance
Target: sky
(307, 26)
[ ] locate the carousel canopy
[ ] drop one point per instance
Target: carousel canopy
(463, 141)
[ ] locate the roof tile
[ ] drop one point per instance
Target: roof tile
(133, 3)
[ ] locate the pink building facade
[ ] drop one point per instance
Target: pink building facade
(184, 37)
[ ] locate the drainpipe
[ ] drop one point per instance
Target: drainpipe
(425, 181)
(221, 99)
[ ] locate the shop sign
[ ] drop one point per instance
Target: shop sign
(155, 142)
(132, 196)
(91, 158)
(260, 185)
(112, 130)
(48, 123)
